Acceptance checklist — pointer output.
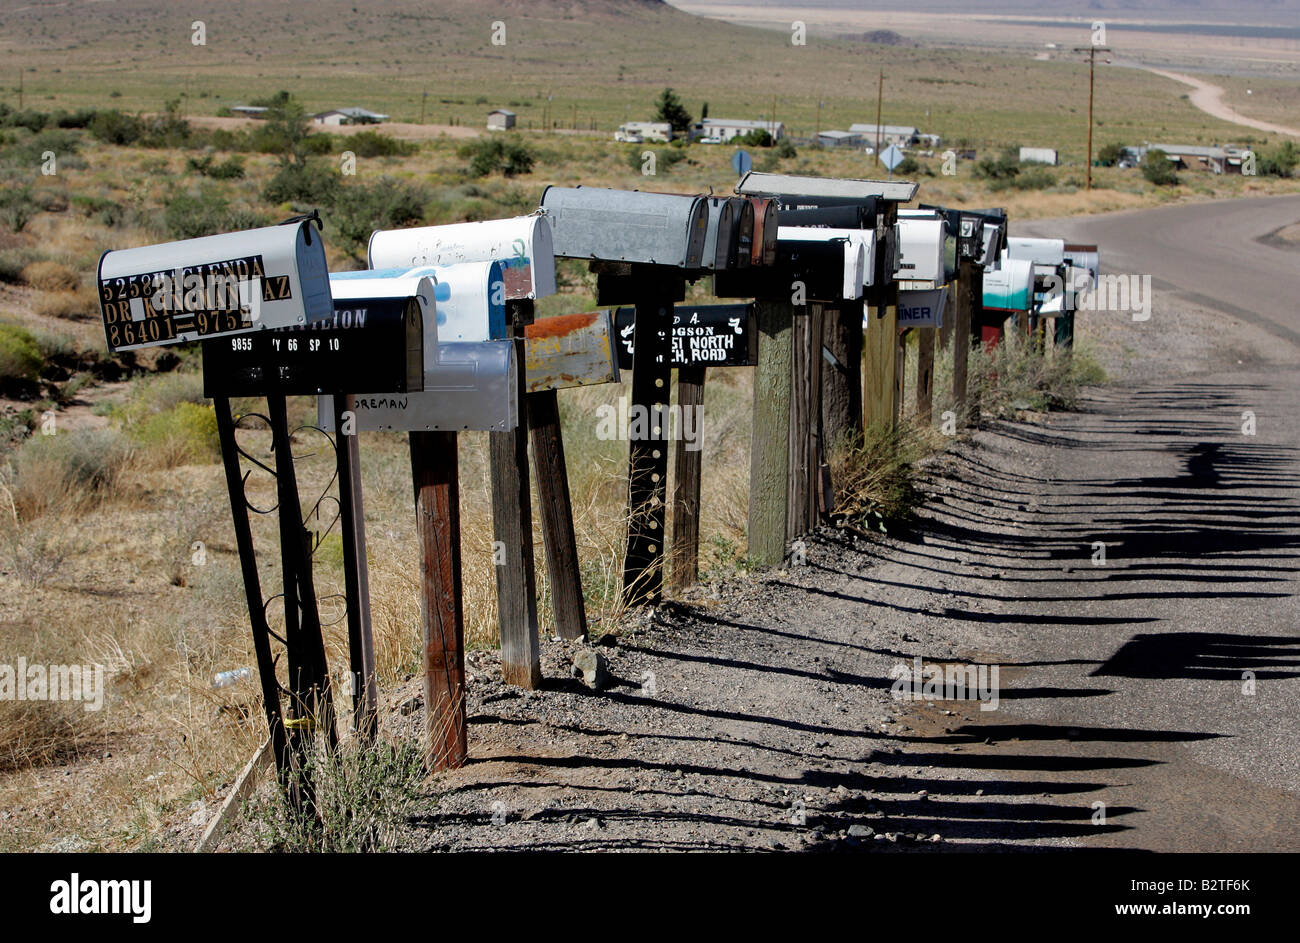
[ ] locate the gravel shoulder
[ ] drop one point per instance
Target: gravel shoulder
(1146, 701)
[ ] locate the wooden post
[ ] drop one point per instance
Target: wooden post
(925, 375)
(900, 373)
(648, 453)
(966, 333)
(512, 530)
(841, 372)
(686, 483)
(356, 574)
(804, 459)
(880, 359)
(435, 477)
(769, 456)
(1064, 337)
(556, 512)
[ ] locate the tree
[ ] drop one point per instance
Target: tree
(285, 131)
(704, 111)
(670, 109)
(1110, 155)
(1158, 169)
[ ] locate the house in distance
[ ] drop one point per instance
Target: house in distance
(501, 119)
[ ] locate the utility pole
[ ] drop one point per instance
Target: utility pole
(819, 117)
(424, 100)
(880, 100)
(1092, 66)
(20, 89)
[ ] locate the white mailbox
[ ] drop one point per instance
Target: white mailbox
(927, 250)
(523, 245)
(228, 284)
(865, 238)
(1042, 252)
(471, 297)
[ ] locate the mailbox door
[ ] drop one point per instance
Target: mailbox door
(569, 350)
(921, 251)
(523, 245)
(1040, 251)
(719, 239)
(232, 283)
(765, 230)
(471, 388)
(742, 244)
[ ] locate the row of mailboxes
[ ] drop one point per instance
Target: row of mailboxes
(523, 245)
(216, 285)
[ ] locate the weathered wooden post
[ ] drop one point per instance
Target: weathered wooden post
(703, 337)
(642, 247)
(925, 376)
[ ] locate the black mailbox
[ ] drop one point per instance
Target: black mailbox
(862, 215)
(369, 346)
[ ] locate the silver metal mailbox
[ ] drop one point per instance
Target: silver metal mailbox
(471, 297)
(1047, 252)
(523, 245)
(472, 387)
(233, 283)
(927, 250)
(799, 192)
(627, 225)
(863, 237)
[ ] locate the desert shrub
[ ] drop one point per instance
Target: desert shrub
(1003, 167)
(506, 154)
(81, 118)
(70, 467)
(17, 205)
(13, 261)
(360, 209)
(873, 475)
(1280, 161)
(66, 304)
(20, 359)
(205, 212)
(665, 158)
(1014, 376)
(102, 209)
(375, 144)
(1035, 178)
(33, 121)
(785, 149)
(909, 166)
(50, 276)
(232, 168)
(363, 796)
(313, 182)
(182, 435)
(116, 127)
(1110, 154)
(1157, 168)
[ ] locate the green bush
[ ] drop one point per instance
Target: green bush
(785, 149)
(314, 182)
(116, 127)
(665, 158)
(506, 154)
(374, 144)
(184, 434)
(230, 169)
(360, 209)
(1157, 168)
(205, 213)
(1003, 167)
(20, 357)
(17, 206)
(1279, 162)
(82, 460)
(106, 211)
(1110, 154)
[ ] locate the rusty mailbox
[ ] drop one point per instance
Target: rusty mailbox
(569, 350)
(523, 245)
(628, 226)
(232, 283)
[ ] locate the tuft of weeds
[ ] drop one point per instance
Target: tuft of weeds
(363, 796)
(872, 474)
(1015, 376)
